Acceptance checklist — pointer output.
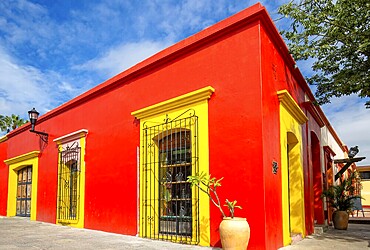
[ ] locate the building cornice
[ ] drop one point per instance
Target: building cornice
(23, 157)
(71, 136)
(174, 103)
(290, 104)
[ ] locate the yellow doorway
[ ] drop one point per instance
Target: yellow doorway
(291, 119)
(15, 164)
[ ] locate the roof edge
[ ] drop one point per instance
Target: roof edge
(181, 48)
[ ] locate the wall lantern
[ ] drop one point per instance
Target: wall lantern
(34, 115)
(353, 151)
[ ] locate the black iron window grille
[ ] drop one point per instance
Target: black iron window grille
(170, 154)
(24, 190)
(69, 181)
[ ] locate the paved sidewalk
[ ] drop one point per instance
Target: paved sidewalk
(21, 233)
(356, 237)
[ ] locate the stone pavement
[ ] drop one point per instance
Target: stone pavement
(356, 237)
(21, 233)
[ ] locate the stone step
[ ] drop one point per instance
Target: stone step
(320, 229)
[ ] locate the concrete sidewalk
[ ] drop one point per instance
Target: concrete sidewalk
(356, 237)
(21, 233)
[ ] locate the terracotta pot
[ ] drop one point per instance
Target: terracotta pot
(340, 220)
(234, 233)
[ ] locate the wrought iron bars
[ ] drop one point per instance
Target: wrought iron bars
(169, 205)
(69, 181)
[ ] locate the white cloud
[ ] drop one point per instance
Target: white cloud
(119, 58)
(351, 121)
(23, 87)
(19, 86)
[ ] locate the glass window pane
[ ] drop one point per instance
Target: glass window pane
(29, 175)
(28, 207)
(18, 207)
(23, 195)
(19, 191)
(29, 190)
(23, 206)
(24, 174)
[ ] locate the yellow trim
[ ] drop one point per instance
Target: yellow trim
(291, 170)
(173, 108)
(81, 136)
(16, 164)
(3, 138)
(175, 103)
(81, 223)
(362, 168)
(291, 106)
(365, 192)
(23, 157)
(71, 136)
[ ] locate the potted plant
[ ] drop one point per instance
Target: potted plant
(234, 231)
(340, 198)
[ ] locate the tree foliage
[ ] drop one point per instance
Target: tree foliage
(336, 35)
(8, 123)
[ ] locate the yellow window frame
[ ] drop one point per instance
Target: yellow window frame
(63, 142)
(157, 113)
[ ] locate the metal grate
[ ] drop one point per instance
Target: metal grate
(170, 154)
(69, 181)
(24, 190)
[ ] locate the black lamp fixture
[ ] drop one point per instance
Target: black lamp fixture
(353, 151)
(34, 115)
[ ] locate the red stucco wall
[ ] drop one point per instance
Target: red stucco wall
(243, 65)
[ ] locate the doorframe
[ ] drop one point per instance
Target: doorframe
(15, 164)
(291, 120)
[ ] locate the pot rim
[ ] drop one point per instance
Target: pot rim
(235, 218)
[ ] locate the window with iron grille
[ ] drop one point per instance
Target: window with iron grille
(170, 154)
(69, 180)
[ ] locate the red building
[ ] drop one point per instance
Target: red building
(228, 101)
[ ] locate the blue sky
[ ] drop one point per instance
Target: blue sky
(54, 50)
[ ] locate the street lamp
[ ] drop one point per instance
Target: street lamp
(34, 115)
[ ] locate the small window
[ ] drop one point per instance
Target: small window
(175, 165)
(365, 175)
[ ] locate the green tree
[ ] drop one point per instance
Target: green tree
(336, 34)
(12, 122)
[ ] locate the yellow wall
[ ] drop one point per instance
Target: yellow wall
(15, 164)
(365, 192)
(291, 118)
(156, 114)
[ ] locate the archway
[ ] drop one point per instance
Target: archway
(295, 186)
(317, 180)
